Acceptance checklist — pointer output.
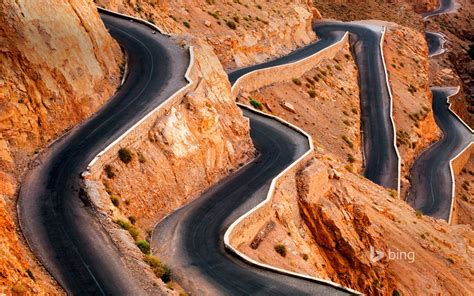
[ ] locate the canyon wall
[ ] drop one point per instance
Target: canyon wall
(241, 32)
(176, 154)
(327, 223)
(58, 65)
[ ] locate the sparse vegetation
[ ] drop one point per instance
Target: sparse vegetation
(141, 157)
(305, 257)
(350, 158)
(159, 269)
(125, 155)
(412, 89)
(130, 228)
(115, 200)
(109, 171)
(256, 104)
(348, 141)
(280, 249)
(144, 246)
(312, 93)
(231, 24)
(297, 81)
(419, 214)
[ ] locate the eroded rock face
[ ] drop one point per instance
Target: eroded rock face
(192, 146)
(328, 226)
(58, 65)
(242, 33)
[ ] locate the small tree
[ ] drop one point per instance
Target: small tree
(125, 155)
(280, 249)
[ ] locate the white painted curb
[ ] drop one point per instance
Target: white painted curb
(151, 113)
(268, 198)
(391, 112)
(238, 81)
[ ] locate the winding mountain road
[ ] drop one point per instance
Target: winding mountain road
(190, 239)
(61, 228)
(431, 176)
(431, 173)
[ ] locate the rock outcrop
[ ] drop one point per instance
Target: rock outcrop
(58, 65)
(329, 223)
(189, 147)
(241, 32)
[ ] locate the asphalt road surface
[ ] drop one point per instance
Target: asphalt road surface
(381, 160)
(446, 6)
(431, 192)
(60, 227)
(190, 240)
(435, 43)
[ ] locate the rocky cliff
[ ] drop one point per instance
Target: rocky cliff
(191, 146)
(327, 219)
(241, 32)
(58, 65)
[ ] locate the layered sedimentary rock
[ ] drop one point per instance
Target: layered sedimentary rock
(241, 32)
(58, 65)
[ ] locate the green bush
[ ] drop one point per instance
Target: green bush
(312, 93)
(296, 81)
(256, 104)
(395, 293)
(144, 246)
(159, 269)
(305, 257)
(130, 228)
(187, 24)
(348, 142)
(350, 158)
(109, 171)
(280, 249)
(231, 25)
(115, 200)
(132, 219)
(125, 155)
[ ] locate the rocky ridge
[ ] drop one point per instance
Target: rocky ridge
(58, 66)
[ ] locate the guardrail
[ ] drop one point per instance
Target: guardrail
(307, 62)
